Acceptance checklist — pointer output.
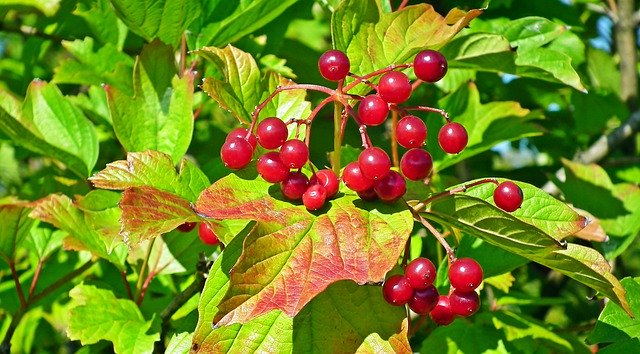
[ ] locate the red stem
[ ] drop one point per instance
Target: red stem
(143, 291)
(394, 141)
(16, 279)
(127, 286)
(441, 112)
(402, 5)
(407, 252)
(453, 191)
(34, 281)
(362, 79)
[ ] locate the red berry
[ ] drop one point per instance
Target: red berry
(397, 290)
(236, 153)
(187, 226)
(416, 164)
(373, 110)
(328, 179)
(420, 272)
(453, 138)
(354, 179)
(242, 133)
(411, 132)
(430, 65)
(271, 133)
(394, 87)
(374, 162)
(508, 196)
(464, 303)
(369, 195)
(314, 197)
(294, 153)
(465, 274)
(391, 187)
(424, 300)
(294, 185)
(442, 313)
(334, 65)
(271, 167)
(207, 235)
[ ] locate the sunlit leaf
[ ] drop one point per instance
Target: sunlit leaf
(16, 226)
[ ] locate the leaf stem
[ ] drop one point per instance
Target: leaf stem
(127, 286)
(453, 191)
(36, 276)
(365, 79)
(143, 268)
(16, 280)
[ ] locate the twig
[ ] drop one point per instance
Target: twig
(36, 276)
(16, 280)
(127, 286)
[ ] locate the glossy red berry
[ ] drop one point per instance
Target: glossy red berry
(416, 164)
(442, 313)
(424, 300)
(373, 110)
(272, 133)
(294, 185)
(236, 153)
(508, 196)
(430, 65)
(464, 303)
(369, 195)
(411, 132)
(465, 274)
(242, 133)
(187, 226)
(334, 65)
(314, 197)
(207, 235)
(271, 167)
(294, 153)
(396, 290)
(391, 187)
(328, 179)
(354, 179)
(374, 162)
(394, 87)
(453, 138)
(420, 272)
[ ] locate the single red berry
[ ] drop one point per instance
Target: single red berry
(464, 303)
(430, 65)
(294, 153)
(373, 110)
(187, 226)
(271, 133)
(271, 167)
(396, 290)
(294, 185)
(236, 153)
(394, 87)
(328, 179)
(334, 65)
(207, 235)
(411, 132)
(420, 272)
(374, 162)
(354, 179)
(314, 197)
(508, 196)
(391, 187)
(442, 313)
(369, 195)
(416, 164)
(242, 133)
(453, 137)
(465, 274)
(424, 300)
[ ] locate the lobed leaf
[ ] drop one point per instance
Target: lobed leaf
(16, 227)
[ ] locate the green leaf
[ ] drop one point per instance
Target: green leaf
(16, 226)
(159, 116)
(163, 19)
(43, 242)
(47, 7)
(103, 22)
(49, 124)
(531, 32)
(549, 65)
(179, 343)
(346, 240)
(614, 324)
(98, 315)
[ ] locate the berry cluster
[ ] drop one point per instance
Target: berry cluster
(205, 233)
(415, 288)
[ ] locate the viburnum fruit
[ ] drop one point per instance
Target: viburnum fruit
(508, 196)
(271, 167)
(294, 153)
(354, 179)
(464, 303)
(465, 274)
(368, 195)
(424, 300)
(334, 65)
(328, 179)
(373, 110)
(272, 133)
(242, 133)
(187, 226)
(420, 273)
(374, 162)
(416, 164)
(442, 313)
(411, 132)
(207, 235)
(453, 137)
(391, 187)
(430, 65)
(294, 185)
(394, 87)
(396, 290)
(314, 197)
(236, 153)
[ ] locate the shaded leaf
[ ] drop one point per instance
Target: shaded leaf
(531, 32)
(47, 7)
(16, 226)
(614, 324)
(104, 23)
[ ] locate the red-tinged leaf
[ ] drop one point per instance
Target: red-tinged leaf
(593, 231)
(148, 212)
(292, 255)
(15, 226)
